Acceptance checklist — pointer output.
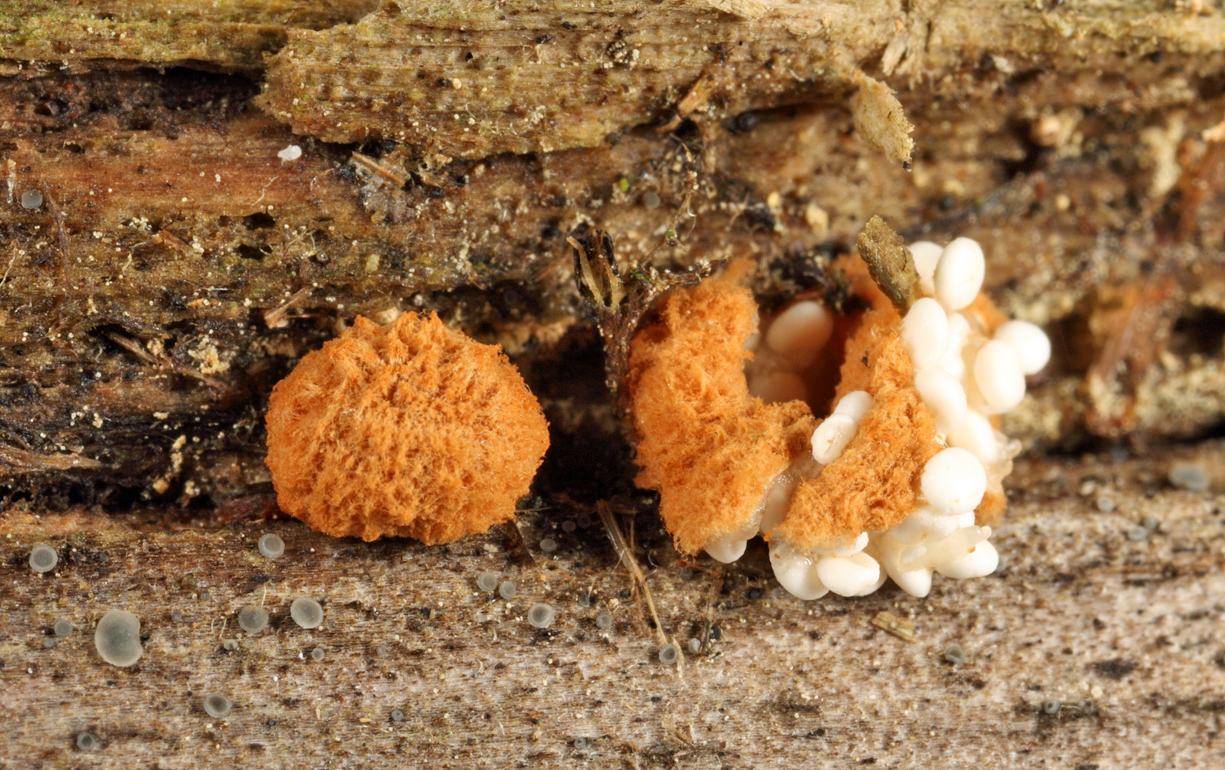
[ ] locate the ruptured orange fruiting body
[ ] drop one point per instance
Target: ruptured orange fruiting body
(707, 445)
(409, 430)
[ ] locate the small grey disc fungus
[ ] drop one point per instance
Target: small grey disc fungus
(317, 654)
(1137, 533)
(49, 642)
(252, 619)
(603, 620)
(306, 612)
(507, 590)
(271, 546)
(955, 654)
(397, 715)
(86, 741)
(669, 654)
(487, 581)
(1190, 477)
(1105, 504)
(1050, 707)
(31, 199)
(43, 558)
(62, 628)
(217, 705)
(540, 615)
(117, 638)
(548, 545)
(568, 526)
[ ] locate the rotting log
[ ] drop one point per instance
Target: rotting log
(1093, 645)
(176, 267)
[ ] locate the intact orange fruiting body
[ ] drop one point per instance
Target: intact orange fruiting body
(409, 430)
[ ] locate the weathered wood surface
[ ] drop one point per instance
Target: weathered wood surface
(177, 267)
(135, 301)
(1126, 634)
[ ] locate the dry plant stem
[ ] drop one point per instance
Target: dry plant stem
(620, 304)
(1194, 185)
(627, 557)
(138, 350)
(378, 168)
(275, 318)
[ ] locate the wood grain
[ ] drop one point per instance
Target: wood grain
(1124, 633)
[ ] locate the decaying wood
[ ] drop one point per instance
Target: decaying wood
(181, 256)
(1123, 632)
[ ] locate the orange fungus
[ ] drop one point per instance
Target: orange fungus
(408, 430)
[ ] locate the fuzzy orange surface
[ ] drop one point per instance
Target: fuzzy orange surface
(411, 430)
(707, 445)
(875, 483)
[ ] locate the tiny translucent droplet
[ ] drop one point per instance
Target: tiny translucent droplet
(669, 654)
(955, 654)
(306, 612)
(252, 619)
(62, 628)
(31, 199)
(48, 643)
(1190, 477)
(317, 654)
(548, 545)
(487, 581)
(86, 741)
(1105, 504)
(271, 546)
(540, 615)
(43, 558)
(604, 620)
(117, 638)
(507, 590)
(217, 705)
(1137, 533)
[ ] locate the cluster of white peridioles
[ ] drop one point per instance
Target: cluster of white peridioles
(962, 374)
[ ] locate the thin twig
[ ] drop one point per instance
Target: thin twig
(138, 350)
(627, 557)
(275, 318)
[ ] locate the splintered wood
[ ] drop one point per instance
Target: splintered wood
(901, 628)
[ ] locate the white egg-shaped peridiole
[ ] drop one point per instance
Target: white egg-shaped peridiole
(1032, 346)
(925, 332)
(959, 273)
(954, 481)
